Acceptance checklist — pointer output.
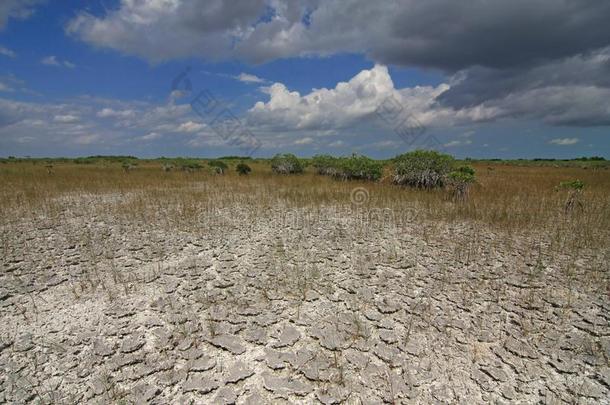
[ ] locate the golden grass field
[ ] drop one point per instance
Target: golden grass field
(505, 197)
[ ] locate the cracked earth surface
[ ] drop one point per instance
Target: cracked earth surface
(248, 312)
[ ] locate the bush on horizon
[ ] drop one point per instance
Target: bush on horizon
(423, 169)
(286, 163)
(355, 167)
(460, 181)
(359, 167)
(326, 165)
(243, 169)
(218, 166)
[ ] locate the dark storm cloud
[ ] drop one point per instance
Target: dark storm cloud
(445, 34)
(478, 84)
(454, 35)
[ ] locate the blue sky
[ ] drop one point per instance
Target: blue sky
(305, 77)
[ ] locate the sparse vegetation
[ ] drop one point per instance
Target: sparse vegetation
(375, 259)
(178, 243)
(509, 196)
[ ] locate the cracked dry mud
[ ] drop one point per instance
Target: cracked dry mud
(96, 310)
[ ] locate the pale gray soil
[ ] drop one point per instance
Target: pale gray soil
(247, 309)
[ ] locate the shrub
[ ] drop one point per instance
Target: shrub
(358, 167)
(574, 198)
(460, 180)
(127, 167)
(572, 185)
(421, 168)
(190, 167)
(232, 157)
(325, 164)
(463, 173)
(82, 161)
(286, 164)
(592, 159)
(218, 166)
(243, 169)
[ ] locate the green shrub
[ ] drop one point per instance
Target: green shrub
(127, 167)
(243, 169)
(358, 167)
(574, 199)
(463, 174)
(466, 169)
(355, 167)
(459, 181)
(572, 185)
(591, 159)
(218, 166)
(422, 168)
(286, 164)
(326, 164)
(233, 157)
(190, 167)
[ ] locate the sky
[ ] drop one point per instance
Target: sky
(206, 78)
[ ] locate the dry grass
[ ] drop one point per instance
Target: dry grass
(512, 199)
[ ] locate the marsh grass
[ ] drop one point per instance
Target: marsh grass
(511, 199)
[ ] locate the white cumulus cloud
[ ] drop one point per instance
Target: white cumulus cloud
(364, 97)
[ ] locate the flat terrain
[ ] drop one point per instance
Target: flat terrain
(146, 286)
